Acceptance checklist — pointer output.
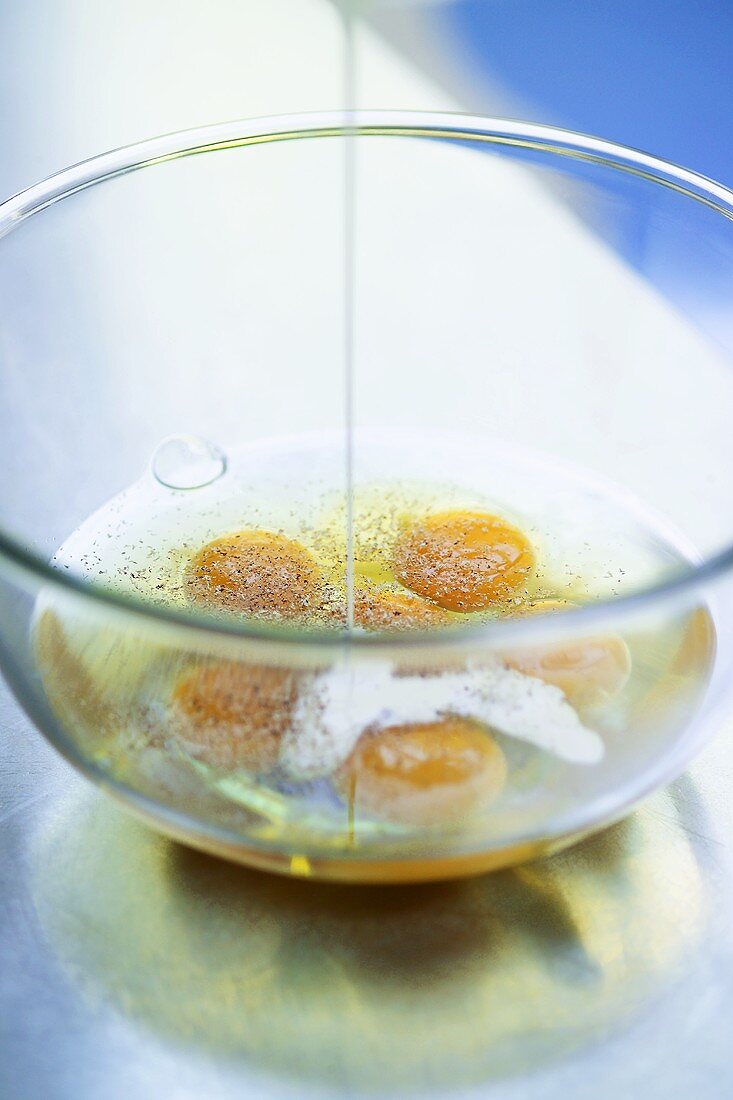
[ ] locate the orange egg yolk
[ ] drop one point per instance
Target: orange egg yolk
(234, 715)
(424, 773)
(256, 573)
(463, 561)
(587, 670)
(384, 610)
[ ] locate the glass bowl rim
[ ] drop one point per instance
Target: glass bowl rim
(455, 126)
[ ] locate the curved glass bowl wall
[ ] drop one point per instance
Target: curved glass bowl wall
(519, 291)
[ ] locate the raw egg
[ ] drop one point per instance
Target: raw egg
(257, 573)
(587, 670)
(463, 561)
(540, 607)
(424, 773)
(234, 715)
(380, 609)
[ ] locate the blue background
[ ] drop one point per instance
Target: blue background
(656, 74)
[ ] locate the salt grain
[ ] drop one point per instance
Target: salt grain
(344, 701)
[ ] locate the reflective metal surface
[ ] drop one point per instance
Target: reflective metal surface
(134, 966)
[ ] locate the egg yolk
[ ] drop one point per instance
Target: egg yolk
(587, 670)
(424, 773)
(234, 716)
(463, 561)
(257, 573)
(385, 610)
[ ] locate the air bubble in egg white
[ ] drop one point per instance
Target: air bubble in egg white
(187, 462)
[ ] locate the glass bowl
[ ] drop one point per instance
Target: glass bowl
(539, 332)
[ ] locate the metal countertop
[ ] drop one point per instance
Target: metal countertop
(133, 966)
